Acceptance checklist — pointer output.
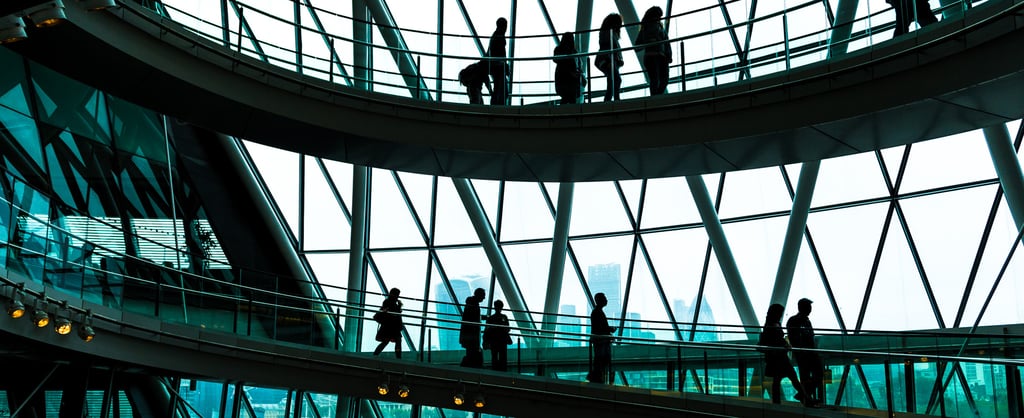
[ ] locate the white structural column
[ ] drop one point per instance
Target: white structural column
(584, 19)
(563, 215)
(499, 263)
(716, 234)
(356, 297)
(795, 231)
(1004, 159)
(631, 21)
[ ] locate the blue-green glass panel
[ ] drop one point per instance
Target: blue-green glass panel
(138, 131)
(64, 103)
(19, 139)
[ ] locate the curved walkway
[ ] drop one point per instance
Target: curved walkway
(947, 78)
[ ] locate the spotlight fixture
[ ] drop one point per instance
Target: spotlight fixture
(16, 308)
(96, 5)
(62, 325)
(382, 389)
(47, 14)
(39, 315)
(12, 29)
(403, 391)
(479, 401)
(459, 399)
(85, 331)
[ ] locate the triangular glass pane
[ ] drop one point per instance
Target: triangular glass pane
(605, 263)
(12, 93)
(597, 208)
(678, 258)
(420, 188)
(24, 131)
(336, 19)
(325, 224)
(854, 393)
(898, 301)
(718, 305)
(59, 100)
(646, 314)
(531, 261)
(533, 78)
(444, 311)
(419, 27)
(893, 157)
(391, 223)
(668, 202)
(807, 283)
(631, 189)
(847, 240)
(954, 159)
(754, 191)
(331, 271)
(407, 271)
(452, 223)
(385, 73)
(756, 247)
(525, 214)
(846, 179)
(947, 229)
(573, 312)
(14, 99)
(489, 193)
(279, 170)
(1005, 306)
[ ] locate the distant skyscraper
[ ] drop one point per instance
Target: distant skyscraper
(607, 279)
(448, 337)
(706, 330)
(568, 327)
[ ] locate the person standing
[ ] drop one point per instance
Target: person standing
(776, 355)
(600, 341)
(569, 78)
(469, 334)
(498, 68)
(390, 319)
(610, 59)
(907, 11)
(658, 51)
(496, 337)
(801, 335)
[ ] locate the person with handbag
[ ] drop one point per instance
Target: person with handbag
(610, 57)
(776, 349)
(657, 50)
(390, 326)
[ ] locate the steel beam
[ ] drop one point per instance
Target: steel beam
(839, 36)
(557, 267)
(356, 296)
(1007, 166)
(795, 231)
(392, 35)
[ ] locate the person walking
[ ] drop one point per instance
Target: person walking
(657, 51)
(801, 335)
(498, 68)
(497, 338)
(600, 341)
(469, 333)
(776, 355)
(569, 77)
(390, 319)
(907, 11)
(610, 58)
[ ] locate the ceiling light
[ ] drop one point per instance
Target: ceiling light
(16, 309)
(12, 29)
(47, 14)
(86, 333)
(479, 401)
(40, 318)
(403, 391)
(95, 5)
(62, 325)
(459, 399)
(382, 389)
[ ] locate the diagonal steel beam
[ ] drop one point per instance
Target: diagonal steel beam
(335, 59)
(392, 35)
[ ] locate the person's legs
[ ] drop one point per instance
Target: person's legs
(398, 347)
(924, 13)
(902, 20)
(776, 389)
(380, 347)
(498, 95)
(662, 75)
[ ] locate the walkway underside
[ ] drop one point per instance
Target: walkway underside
(952, 77)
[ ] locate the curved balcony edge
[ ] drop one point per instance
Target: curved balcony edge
(920, 86)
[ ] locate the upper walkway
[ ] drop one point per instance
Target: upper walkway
(849, 96)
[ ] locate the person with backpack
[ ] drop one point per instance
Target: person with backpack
(473, 77)
(569, 77)
(390, 319)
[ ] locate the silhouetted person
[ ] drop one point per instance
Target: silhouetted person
(473, 77)
(600, 341)
(909, 10)
(776, 355)
(469, 334)
(801, 335)
(569, 78)
(609, 62)
(658, 51)
(496, 337)
(498, 68)
(390, 330)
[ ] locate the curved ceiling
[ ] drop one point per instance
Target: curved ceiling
(924, 85)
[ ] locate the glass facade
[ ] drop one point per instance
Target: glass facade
(906, 239)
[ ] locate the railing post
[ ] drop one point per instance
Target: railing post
(785, 34)
(241, 14)
(682, 66)
(888, 389)
(707, 384)
(741, 367)
(911, 387)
